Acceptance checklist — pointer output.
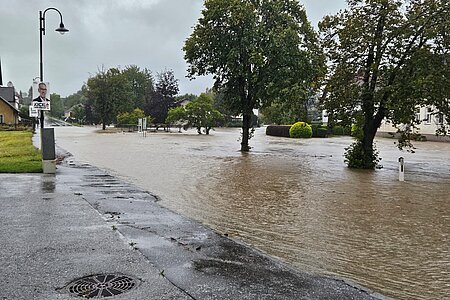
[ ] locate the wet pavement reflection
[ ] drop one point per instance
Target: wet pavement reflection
(48, 184)
(296, 200)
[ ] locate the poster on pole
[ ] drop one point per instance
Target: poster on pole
(32, 112)
(41, 96)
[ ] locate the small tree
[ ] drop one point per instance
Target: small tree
(198, 113)
(176, 114)
(130, 118)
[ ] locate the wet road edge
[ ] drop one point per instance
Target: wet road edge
(195, 258)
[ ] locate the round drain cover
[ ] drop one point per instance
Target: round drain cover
(101, 286)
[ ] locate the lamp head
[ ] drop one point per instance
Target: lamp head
(61, 28)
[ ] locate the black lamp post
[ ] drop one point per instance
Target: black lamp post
(61, 29)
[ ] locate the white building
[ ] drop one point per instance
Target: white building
(430, 121)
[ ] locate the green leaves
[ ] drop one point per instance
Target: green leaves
(256, 51)
(130, 118)
(198, 113)
(110, 93)
(385, 59)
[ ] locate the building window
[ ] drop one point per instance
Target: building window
(2, 119)
(428, 114)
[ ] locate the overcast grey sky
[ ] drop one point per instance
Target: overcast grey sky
(109, 33)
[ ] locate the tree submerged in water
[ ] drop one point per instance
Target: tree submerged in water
(199, 113)
(257, 52)
(386, 58)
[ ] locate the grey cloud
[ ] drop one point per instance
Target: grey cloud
(146, 33)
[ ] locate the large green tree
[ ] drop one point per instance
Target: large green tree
(159, 101)
(110, 93)
(257, 51)
(141, 82)
(386, 58)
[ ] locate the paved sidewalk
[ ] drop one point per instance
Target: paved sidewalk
(82, 221)
(51, 236)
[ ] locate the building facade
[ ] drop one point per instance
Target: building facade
(9, 115)
(429, 120)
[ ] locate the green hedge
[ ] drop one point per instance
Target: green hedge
(320, 131)
(341, 130)
(300, 130)
(278, 130)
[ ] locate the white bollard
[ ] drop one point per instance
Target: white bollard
(401, 169)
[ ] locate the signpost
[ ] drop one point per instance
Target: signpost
(142, 126)
(40, 104)
(401, 169)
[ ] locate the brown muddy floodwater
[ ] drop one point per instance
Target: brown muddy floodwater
(296, 200)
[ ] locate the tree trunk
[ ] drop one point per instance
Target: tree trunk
(246, 123)
(370, 131)
(104, 126)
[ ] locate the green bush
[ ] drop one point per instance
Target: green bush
(278, 130)
(338, 130)
(341, 130)
(319, 130)
(300, 130)
(131, 118)
(356, 158)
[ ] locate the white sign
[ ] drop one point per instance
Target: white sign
(32, 112)
(142, 126)
(45, 105)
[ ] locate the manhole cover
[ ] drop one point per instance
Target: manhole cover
(101, 286)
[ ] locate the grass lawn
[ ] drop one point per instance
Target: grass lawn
(17, 153)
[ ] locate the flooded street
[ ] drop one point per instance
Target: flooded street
(296, 200)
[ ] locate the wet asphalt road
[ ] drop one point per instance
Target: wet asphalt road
(83, 221)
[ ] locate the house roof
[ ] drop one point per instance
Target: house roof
(7, 93)
(9, 104)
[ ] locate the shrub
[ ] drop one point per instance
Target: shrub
(130, 118)
(278, 130)
(319, 130)
(338, 130)
(300, 130)
(355, 158)
(341, 130)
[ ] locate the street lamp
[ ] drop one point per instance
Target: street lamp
(61, 29)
